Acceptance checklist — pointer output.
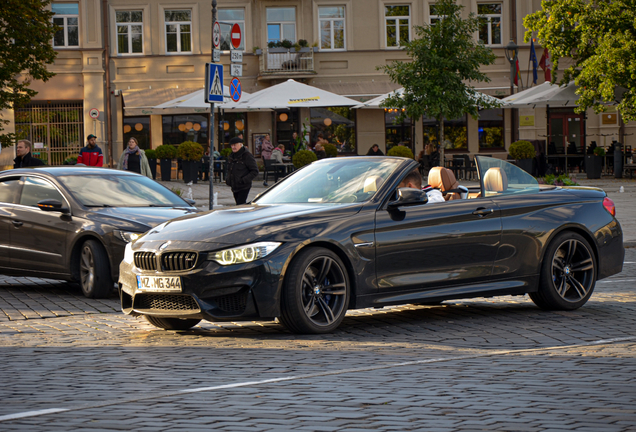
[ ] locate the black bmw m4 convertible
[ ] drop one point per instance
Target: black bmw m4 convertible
(342, 234)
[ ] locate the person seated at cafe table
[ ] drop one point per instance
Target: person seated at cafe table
(277, 153)
(320, 151)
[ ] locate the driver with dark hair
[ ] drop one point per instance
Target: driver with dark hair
(414, 180)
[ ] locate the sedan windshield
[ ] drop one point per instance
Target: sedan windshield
(340, 180)
(120, 191)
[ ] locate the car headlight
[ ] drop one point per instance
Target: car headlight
(243, 254)
(129, 256)
(128, 236)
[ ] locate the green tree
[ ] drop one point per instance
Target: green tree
(445, 56)
(599, 36)
(26, 31)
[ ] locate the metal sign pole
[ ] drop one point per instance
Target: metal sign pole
(211, 127)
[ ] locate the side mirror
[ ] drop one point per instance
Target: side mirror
(190, 201)
(52, 205)
(408, 197)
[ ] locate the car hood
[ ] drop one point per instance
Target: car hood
(245, 224)
(138, 218)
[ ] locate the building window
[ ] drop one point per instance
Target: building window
(397, 133)
(178, 31)
(489, 23)
(281, 24)
(227, 18)
(434, 16)
(332, 27)
(398, 25)
(491, 128)
(129, 32)
(180, 128)
(67, 19)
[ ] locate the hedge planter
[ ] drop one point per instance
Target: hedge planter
(525, 164)
(190, 171)
(153, 167)
(593, 166)
(166, 169)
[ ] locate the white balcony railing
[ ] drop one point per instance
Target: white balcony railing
(274, 61)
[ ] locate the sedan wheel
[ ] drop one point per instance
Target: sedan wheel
(316, 292)
(94, 270)
(568, 274)
(172, 323)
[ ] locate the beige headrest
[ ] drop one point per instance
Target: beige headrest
(495, 180)
(442, 178)
(372, 183)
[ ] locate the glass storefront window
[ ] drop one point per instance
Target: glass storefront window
(231, 125)
(455, 133)
(491, 128)
(334, 125)
(186, 127)
(138, 128)
(397, 133)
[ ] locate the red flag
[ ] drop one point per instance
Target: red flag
(517, 75)
(546, 64)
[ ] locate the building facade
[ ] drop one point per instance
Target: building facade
(124, 58)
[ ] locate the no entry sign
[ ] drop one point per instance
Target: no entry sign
(236, 36)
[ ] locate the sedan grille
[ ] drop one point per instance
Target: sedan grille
(146, 260)
(165, 302)
(178, 261)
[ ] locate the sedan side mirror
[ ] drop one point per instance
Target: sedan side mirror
(52, 205)
(409, 197)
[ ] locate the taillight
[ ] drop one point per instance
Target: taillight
(609, 206)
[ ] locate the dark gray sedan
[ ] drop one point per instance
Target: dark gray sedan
(73, 223)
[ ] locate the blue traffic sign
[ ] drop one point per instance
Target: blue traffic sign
(213, 82)
(235, 89)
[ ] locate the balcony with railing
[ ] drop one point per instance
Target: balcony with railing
(281, 62)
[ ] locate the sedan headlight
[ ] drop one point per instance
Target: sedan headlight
(128, 236)
(243, 254)
(129, 256)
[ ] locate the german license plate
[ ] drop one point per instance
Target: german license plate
(159, 283)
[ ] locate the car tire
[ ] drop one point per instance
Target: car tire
(172, 323)
(315, 292)
(94, 270)
(568, 274)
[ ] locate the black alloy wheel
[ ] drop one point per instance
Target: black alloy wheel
(568, 274)
(316, 292)
(94, 270)
(172, 323)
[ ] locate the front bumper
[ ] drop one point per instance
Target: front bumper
(209, 291)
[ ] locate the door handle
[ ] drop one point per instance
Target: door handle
(481, 212)
(16, 223)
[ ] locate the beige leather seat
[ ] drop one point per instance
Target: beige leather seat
(495, 181)
(443, 179)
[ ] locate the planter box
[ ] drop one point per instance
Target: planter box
(316, 49)
(258, 51)
(190, 171)
(525, 164)
(277, 50)
(593, 166)
(166, 169)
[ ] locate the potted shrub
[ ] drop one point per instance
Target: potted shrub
(165, 154)
(331, 150)
(523, 152)
(303, 157)
(190, 154)
(151, 154)
(226, 152)
(594, 163)
(401, 151)
(257, 50)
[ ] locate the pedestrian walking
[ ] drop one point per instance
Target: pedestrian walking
(91, 154)
(24, 158)
(134, 159)
(241, 170)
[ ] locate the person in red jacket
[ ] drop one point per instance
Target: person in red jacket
(91, 155)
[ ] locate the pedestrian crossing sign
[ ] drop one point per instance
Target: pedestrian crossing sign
(213, 82)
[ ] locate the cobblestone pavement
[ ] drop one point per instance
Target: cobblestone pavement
(483, 364)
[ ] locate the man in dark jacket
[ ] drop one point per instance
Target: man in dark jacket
(25, 159)
(375, 151)
(241, 170)
(91, 155)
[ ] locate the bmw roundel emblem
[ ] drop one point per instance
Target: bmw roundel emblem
(163, 246)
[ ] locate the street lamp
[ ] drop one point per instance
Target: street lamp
(512, 50)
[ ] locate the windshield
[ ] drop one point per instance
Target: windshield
(503, 178)
(120, 191)
(338, 180)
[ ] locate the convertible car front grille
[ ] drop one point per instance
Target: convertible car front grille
(146, 260)
(178, 261)
(165, 302)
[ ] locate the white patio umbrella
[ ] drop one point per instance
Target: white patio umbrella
(195, 102)
(292, 94)
(543, 95)
(375, 103)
